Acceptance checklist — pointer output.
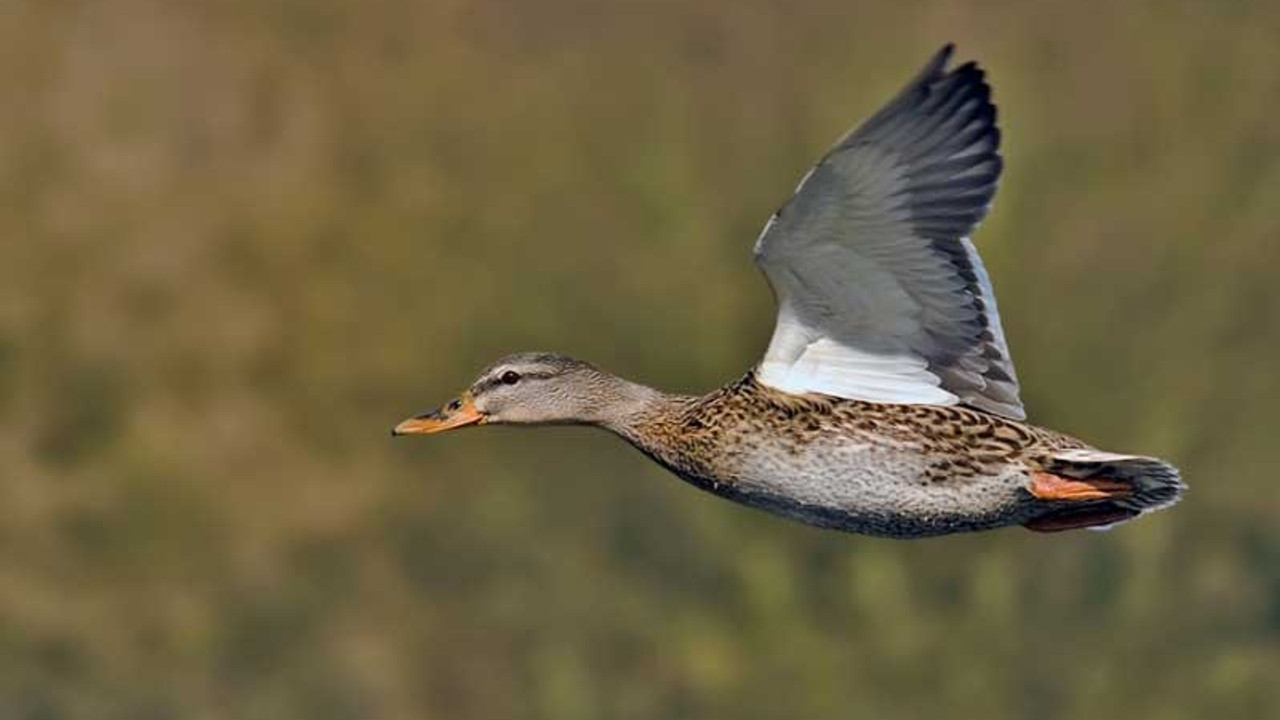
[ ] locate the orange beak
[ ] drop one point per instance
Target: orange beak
(459, 413)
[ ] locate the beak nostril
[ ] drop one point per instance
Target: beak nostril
(453, 406)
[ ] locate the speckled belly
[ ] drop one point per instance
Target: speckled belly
(875, 488)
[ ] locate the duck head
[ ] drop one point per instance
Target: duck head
(532, 388)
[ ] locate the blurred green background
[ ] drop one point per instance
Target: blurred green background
(241, 239)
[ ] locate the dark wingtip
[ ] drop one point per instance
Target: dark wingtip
(940, 60)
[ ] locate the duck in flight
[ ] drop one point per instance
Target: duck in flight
(887, 402)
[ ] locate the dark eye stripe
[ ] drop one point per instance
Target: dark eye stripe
(494, 381)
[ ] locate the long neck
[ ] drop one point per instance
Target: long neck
(657, 424)
(630, 409)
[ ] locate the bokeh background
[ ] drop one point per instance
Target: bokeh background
(240, 239)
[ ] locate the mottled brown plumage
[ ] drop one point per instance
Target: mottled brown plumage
(705, 440)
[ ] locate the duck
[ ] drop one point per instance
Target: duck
(886, 402)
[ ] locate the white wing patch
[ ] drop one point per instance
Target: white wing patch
(824, 366)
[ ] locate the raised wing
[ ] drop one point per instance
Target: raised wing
(881, 295)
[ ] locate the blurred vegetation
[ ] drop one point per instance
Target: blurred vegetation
(241, 239)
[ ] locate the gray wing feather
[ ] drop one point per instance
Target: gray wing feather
(901, 195)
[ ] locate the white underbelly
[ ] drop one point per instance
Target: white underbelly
(865, 484)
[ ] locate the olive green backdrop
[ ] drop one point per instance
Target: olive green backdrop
(239, 240)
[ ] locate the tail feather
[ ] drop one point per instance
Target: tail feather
(1153, 484)
(1156, 484)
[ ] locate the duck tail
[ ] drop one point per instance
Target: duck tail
(1109, 488)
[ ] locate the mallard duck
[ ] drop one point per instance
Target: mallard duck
(886, 402)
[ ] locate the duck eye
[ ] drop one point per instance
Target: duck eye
(510, 377)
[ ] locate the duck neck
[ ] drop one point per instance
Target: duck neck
(629, 409)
